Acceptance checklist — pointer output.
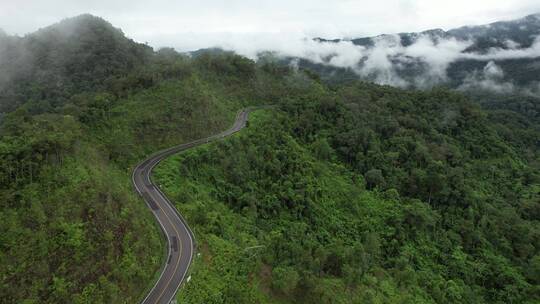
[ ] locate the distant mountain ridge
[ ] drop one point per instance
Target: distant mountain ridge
(521, 31)
(457, 58)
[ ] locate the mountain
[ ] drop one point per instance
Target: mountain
(501, 56)
(72, 56)
(340, 193)
(520, 32)
(362, 193)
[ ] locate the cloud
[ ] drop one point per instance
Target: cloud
(193, 20)
(492, 70)
(504, 54)
(387, 61)
(378, 63)
(510, 44)
(286, 28)
(490, 79)
(438, 54)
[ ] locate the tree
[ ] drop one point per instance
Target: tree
(322, 149)
(285, 279)
(374, 178)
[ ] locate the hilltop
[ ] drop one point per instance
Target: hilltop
(75, 55)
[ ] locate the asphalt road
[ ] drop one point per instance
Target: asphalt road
(181, 243)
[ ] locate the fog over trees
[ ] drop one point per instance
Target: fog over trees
(345, 191)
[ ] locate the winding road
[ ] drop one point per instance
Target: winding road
(180, 239)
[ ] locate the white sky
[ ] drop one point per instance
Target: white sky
(192, 24)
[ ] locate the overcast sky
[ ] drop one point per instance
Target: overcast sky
(193, 24)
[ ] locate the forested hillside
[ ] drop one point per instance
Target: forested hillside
(364, 194)
(345, 193)
(73, 229)
(79, 54)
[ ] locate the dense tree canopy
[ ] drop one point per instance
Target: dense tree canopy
(363, 194)
(349, 193)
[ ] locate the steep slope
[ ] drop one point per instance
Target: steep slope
(73, 229)
(366, 194)
(76, 55)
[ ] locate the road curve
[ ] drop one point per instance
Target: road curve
(181, 243)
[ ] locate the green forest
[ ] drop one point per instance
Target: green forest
(364, 194)
(341, 193)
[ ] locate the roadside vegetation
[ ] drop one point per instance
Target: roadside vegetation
(72, 228)
(344, 193)
(364, 194)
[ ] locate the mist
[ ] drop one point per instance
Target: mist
(250, 30)
(388, 61)
(491, 79)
